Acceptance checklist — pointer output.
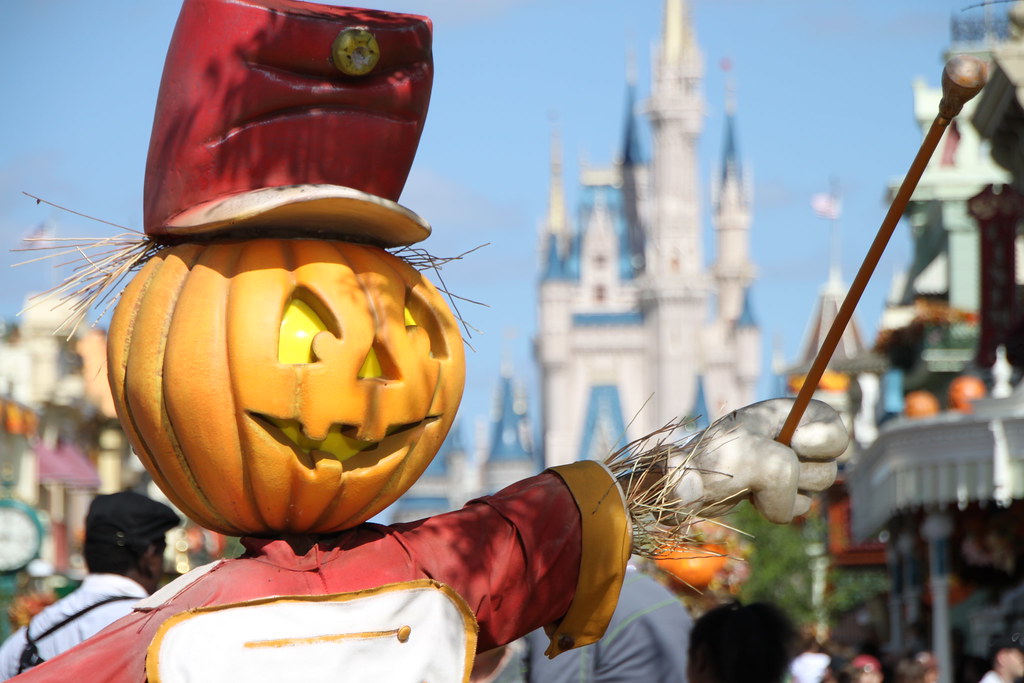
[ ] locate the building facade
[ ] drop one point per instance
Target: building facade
(942, 482)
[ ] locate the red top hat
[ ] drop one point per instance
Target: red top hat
(288, 118)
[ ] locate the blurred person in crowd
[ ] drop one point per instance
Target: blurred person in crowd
(124, 554)
(834, 672)
(1006, 654)
(931, 666)
(865, 669)
(811, 665)
(736, 643)
(921, 668)
(644, 642)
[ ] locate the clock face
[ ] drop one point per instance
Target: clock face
(19, 537)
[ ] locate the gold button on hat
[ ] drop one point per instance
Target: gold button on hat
(355, 52)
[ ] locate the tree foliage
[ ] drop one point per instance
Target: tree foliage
(781, 569)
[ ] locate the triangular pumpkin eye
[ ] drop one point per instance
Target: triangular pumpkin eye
(409, 320)
(299, 325)
(371, 366)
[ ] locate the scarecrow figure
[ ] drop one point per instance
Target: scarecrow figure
(284, 378)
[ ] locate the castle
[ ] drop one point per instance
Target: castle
(634, 329)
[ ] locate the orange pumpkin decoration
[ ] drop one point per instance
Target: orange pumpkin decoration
(963, 391)
(284, 386)
(696, 567)
(920, 403)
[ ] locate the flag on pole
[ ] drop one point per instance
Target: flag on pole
(826, 206)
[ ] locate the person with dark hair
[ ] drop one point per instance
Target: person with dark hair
(124, 550)
(736, 643)
(1006, 653)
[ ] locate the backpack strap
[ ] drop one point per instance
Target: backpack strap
(30, 655)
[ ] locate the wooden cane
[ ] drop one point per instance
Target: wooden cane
(962, 78)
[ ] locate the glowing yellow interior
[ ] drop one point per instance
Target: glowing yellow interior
(371, 366)
(337, 444)
(299, 325)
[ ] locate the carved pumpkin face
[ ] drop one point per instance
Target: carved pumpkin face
(284, 386)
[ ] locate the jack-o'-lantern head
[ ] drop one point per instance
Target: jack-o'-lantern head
(282, 386)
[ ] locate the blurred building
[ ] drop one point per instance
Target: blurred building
(625, 343)
(941, 481)
(49, 468)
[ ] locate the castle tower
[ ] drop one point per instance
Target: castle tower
(635, 177)
(624, 342)
(731, 200)
(733, 356)
(676, 113)
(558, 265)
(675, 284)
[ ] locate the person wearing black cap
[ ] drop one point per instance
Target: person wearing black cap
(1007, 656)
(124, 548)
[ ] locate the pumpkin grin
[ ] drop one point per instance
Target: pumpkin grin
(339, 442)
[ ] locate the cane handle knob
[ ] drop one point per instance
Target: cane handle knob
(962, 79)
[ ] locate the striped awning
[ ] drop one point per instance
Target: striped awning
(65, 464)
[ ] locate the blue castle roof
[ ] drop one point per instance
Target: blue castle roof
(746, 318)
(632, 154)
(603, 417)
(700, 407)
(730, 158)
(506, 434)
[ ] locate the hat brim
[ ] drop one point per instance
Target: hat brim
(322, 211)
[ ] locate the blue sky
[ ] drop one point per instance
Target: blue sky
(823, 91)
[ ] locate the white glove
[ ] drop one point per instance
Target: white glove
(738, 457)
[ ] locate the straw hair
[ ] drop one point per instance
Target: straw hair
(649, 470)
(99, 267)
(101, 264)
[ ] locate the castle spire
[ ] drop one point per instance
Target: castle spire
(557, 225)
(677, 36)
(732, 219)
(731, 169)
(555, 238)
(631, 154)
